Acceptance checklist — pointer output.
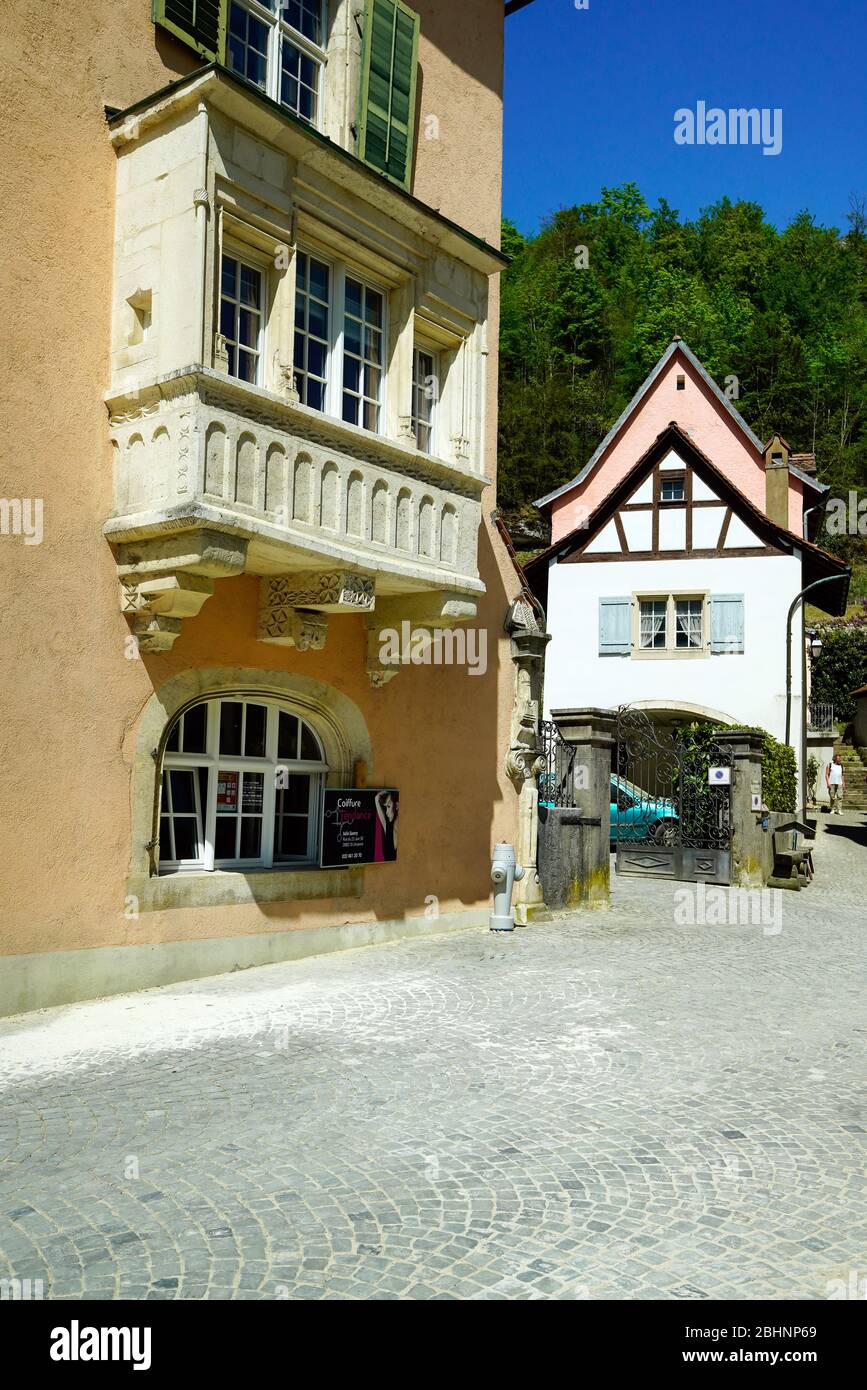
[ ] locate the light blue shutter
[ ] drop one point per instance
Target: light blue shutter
(727, 623)
(615, 626)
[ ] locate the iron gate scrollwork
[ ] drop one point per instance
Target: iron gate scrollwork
(556, 781)
(670, 802)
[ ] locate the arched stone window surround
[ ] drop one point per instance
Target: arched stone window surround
(345, 740)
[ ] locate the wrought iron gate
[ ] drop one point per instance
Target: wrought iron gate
(670, 804)
(556, 782)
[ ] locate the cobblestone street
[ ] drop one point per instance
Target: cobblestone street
(606, 1106)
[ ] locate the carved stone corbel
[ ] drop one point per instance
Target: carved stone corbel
(158, 604)
(293, 627)
(167, 579)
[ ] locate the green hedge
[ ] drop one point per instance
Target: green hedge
(840, 667)
(779, 769)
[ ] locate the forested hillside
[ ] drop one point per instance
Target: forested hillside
(783, 312)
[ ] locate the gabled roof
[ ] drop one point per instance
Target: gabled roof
(817, 563)
(675, 346)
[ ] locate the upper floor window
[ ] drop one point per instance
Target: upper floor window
(279, 46)
(424, 396)
(242, 317)
(363, 314)
(241, 788)
(671, 623)
(339, 342)
(672, 487)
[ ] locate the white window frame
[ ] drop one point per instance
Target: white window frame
(278, 30)
(269, 766)
(236, 251)
(333, 394)
(419, 384)
(670, 650)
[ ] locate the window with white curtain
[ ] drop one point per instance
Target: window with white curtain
(672, 623)
(241, 787)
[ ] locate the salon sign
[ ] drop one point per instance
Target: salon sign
(359, 826)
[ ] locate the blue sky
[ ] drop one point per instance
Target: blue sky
(590, 97)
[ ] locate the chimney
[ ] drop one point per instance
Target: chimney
(777, 457)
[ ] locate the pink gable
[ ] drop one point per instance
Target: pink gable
(701, 415)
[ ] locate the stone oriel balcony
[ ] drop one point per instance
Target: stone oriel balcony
(214, 477)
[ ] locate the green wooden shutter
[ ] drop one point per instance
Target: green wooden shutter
(727, 623)
(615, 626)
(387, 95)
(201, 24)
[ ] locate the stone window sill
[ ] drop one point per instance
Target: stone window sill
(222, 887)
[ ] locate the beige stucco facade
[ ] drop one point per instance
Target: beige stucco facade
(148, 536)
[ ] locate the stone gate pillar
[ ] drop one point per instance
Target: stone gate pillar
(752, 848)
(591, 733)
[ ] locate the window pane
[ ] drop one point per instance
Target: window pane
(309, 745)
(224, 840)
(290, 837)
(371, 416)
(287, 736)
(352, 337)
(315, 394)
(316, 358)
(195, 729)
(186, 845)
(353, 297)
(229, 275)
(230, 727)
(319, 279)
(254, 736)
(351, 373)
(317, 320)
(183, 792)
(251, 284)
(373, 308)
(294, 796)
(165, 838)
(173, 741)
(306, 17)
(350, 409)
(251, 837)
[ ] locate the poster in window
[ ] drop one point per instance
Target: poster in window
(227, 791)
(251, 794)
(359, 826)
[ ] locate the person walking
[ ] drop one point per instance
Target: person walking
(835, 781)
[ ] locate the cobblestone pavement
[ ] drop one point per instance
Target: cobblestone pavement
(616, 1105)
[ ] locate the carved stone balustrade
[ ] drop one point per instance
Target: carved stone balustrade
(214, 477)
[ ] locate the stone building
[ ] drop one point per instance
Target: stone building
(251, 254)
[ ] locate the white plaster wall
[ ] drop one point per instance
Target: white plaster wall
(749, 688)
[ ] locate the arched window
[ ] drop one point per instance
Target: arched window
(241, 788)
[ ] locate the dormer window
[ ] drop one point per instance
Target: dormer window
(278, 46)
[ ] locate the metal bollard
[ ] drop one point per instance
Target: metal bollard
(504, 872)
